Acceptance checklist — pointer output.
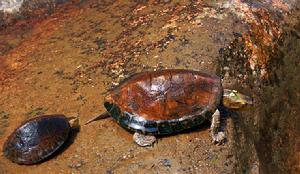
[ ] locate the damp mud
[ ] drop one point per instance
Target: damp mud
(65, 60)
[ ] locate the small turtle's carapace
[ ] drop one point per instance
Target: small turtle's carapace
(36, 139)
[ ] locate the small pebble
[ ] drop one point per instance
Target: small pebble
(226, 68)
(78, 165)
(166, 162)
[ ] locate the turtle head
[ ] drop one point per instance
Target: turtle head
(235, 100)
(74, 122)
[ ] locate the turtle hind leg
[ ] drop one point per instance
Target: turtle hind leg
(217, 128)
(143, 140)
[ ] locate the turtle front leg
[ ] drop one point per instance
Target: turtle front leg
(143, 140)
(217, 128)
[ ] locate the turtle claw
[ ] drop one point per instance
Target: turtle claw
(143, 140)
(219, 138)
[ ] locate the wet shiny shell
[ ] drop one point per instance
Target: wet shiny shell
(36, 139)
(164, 102)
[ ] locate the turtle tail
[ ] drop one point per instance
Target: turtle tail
(98, 117)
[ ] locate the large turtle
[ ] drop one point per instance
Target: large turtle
(169, 101)
(38, 138)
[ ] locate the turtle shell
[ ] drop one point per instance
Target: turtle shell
(36, 139)
(165, 101)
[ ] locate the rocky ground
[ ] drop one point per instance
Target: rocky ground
(63, 60)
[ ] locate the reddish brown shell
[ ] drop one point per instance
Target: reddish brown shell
(166, 95)
(36, 139)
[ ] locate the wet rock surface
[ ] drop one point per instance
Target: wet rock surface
(65, 62)
(11, 11)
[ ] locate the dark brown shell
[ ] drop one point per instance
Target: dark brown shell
(166, 95)
(36, 139)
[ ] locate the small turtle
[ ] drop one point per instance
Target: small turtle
(38, 138)
(169, 101)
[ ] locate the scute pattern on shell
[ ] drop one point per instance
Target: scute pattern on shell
(164, 102)
(36, 139)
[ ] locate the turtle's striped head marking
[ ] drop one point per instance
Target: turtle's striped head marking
(235, 100)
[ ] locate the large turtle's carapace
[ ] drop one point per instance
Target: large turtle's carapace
(167, 95)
